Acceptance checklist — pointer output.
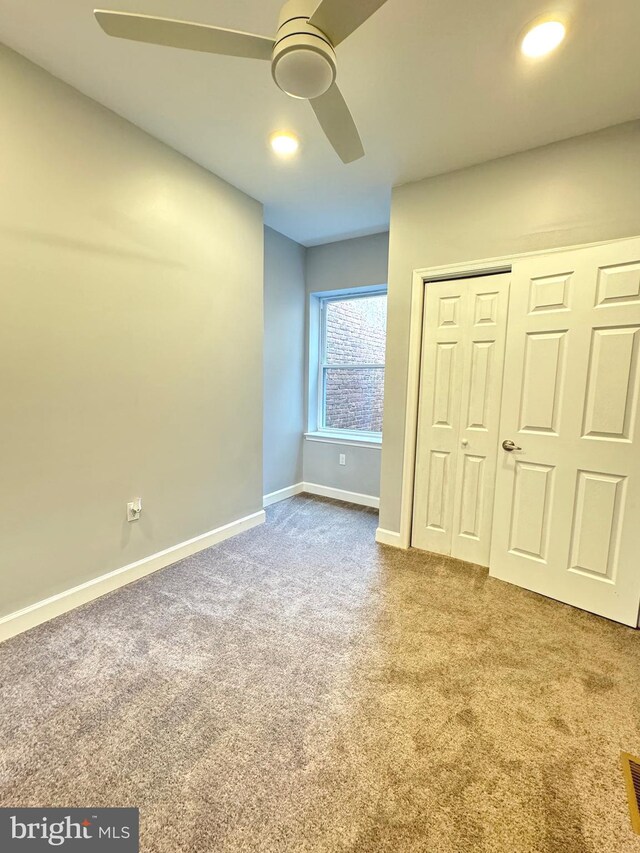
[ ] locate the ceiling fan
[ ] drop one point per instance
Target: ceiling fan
(302, 55)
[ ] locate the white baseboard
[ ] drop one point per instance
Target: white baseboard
(323, 491)
(56, 605)
(389, 537)
(341, 495)
(282, 494)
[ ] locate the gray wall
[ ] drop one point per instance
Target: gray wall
(361, 474)
(582, 190)
(284, 360)
(131, 330)
(361, 262)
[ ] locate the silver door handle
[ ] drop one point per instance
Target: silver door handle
(509, 445)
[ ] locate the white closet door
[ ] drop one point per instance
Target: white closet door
(479, 427)
(567, 507)
(438, 415)
(461, 376)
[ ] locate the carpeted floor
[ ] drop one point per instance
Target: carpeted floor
(300, 688)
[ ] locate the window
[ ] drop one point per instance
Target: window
(351, 362)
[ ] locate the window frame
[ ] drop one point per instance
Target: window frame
(321, 429)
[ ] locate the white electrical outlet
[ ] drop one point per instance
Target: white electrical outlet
(134, 508)
(343, 458)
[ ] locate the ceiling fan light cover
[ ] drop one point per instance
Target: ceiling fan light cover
(304, 71)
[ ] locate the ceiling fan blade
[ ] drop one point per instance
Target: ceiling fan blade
(184, 34)
(337, 122)
(339, 18)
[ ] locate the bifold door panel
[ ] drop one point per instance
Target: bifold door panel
(567, 504)
(461, 378)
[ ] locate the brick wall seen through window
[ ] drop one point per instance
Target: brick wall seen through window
(354, 332)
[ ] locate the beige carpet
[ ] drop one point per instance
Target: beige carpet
(300, 688)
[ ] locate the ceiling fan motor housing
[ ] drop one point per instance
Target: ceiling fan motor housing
(304, 61)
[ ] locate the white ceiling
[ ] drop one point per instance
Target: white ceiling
(434, 85)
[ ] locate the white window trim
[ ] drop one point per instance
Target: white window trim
(340, 436)
(355, 438)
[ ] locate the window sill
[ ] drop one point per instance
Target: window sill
(355, 439)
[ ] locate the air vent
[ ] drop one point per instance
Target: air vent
(631, 770)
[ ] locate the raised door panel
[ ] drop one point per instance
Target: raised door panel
(618, 285)
(472, 496)
(531, 510)
(542, 381)
(444, 385)
(486, 308)
(612, 388)
(549, 293)
(438, 491)
(478, 393)
(598, 512)
(449, 312)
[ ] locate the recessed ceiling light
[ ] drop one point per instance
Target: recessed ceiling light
(543, 38)
(285, 144)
